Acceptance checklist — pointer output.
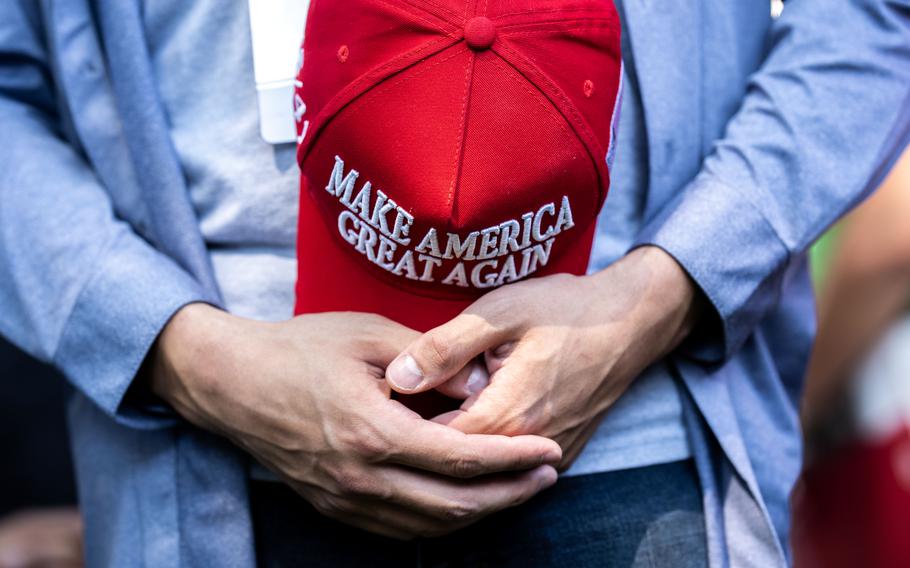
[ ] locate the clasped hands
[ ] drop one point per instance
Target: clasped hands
(537, 364)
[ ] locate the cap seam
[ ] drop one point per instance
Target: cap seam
(420, 13)
(565, 105)
(554, 11)
(535, 92)
(459, 148)
(438, 9)
(371, 80)
(555, 31)
(385, 84)
(559, 25)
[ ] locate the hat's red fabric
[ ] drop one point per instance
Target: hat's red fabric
(448, 147)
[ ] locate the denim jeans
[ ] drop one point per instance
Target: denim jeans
(642, 517)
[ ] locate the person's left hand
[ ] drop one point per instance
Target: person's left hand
(560, 350)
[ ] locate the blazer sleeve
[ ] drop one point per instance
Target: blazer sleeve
(822, 121)
(78, 287)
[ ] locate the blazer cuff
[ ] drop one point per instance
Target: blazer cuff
(117, 316)
(731, 251)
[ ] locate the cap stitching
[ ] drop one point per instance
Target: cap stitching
(424, 10)
(389, 83)
(356, 88)
(607, 20)
(556, 31)
(422, 15)
(463, 132)
(568, 104)
(548, 105)
(511, 71)
(557, 11)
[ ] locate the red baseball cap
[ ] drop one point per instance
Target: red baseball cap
(448, 147)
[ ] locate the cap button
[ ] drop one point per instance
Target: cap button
(479, 33)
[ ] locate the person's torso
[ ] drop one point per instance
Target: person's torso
(245, 195)
(724, 54)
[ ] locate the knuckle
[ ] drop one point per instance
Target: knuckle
(516, 424)
(461, 511)
(371, 447)
(465, 464)
(352, 483)
(332, 507)
(362, 485)
(438, 349)
(367, 443)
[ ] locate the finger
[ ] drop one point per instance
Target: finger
(433, 447)
(391, 519)
(576, 440)
(468, 382)
(510, 405)
(447, 418)
(494, 358)
(440, 353)
(404, 503)
(387, 339)
(371, 511)
(458, 502)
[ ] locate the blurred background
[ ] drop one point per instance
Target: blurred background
(39, 524)
(851, 507)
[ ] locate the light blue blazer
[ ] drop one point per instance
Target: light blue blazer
(760, 134)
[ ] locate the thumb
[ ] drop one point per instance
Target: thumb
(442, 352)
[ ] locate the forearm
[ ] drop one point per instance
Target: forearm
(78, 287)
(791, 161)
(190, 363)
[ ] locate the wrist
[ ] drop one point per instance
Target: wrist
(677, 300)
(186, 356)
(663, 304)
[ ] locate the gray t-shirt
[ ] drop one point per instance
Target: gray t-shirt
(244, 190)
(245, 195)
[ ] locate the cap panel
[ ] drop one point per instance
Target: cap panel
(582, 59)
(541, 10)
(403, 136)
(349, 47)
(519, 155)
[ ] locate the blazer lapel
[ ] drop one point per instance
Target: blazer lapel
(172, 219)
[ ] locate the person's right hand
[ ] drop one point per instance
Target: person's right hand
(307, 398)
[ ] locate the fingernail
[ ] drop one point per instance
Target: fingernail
(553, 455)
(405, 373)
(477, 380)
